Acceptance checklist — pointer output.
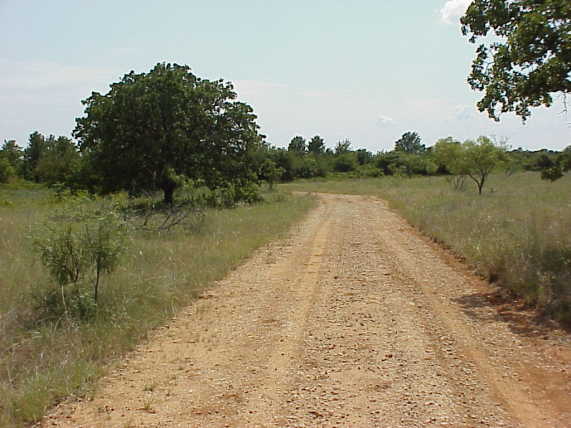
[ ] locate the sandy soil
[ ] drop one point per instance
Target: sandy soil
(353, 321)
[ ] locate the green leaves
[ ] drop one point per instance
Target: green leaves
(475, 159)
(7, 171)
(76, 247)
(316, 145)
(410, 143)
(297, 145)
(531, 61)
(168, 122)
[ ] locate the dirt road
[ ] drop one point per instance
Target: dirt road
(353, 321)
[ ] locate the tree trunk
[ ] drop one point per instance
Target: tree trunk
(481, 184)
(168, 186)
(169, 194)
(98, 273)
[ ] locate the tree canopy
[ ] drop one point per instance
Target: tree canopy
(316, 145)
(12, 153)
(481, 157)
(58, 162)
(410, 143)
(152, 129)
(474, 159)
(343, 147)
(526, 59)
(297, 144)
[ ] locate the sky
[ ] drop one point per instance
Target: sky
(363, 70)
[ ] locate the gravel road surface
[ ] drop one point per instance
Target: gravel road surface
(354, 320)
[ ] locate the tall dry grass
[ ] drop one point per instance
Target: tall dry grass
(40, 363)
(517, 234)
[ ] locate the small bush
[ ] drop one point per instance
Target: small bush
(230, 195)
(552, 173)
(77, 247)
(54, 303)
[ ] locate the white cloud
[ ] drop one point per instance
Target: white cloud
(385, 121)
(35, 76)
(453, 10)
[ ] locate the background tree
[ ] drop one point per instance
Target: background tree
(449, 157)
(345, 162)
(271, 172)
(153, 128)
(410, 143)
(479, 159)
(316, 145)
(531, 61)
(447, 153)
(59, 161)
(388, 162)
(297, 145)
(13, 154)
(544, 162)
(565, 159)
(7, 171)
(363, 156)
(414, 164)
(32, 154)
(342, 147)
(553, 170)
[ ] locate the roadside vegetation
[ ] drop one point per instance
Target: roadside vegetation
(49, 351)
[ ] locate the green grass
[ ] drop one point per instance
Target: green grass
(41, 363)
(518, 234)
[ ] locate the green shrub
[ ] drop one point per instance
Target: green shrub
(345, 163)
(369, 170)
(552, 173)
(230, 195)
(77, 248)
(7, 171)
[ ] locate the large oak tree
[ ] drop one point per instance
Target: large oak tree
(152, 128)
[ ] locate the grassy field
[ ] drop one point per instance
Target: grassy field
(518, 234)
(40, 363)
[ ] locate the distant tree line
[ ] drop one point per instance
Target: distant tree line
(158, 130)
(47, 160)
(471, 160)
(59, 160)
